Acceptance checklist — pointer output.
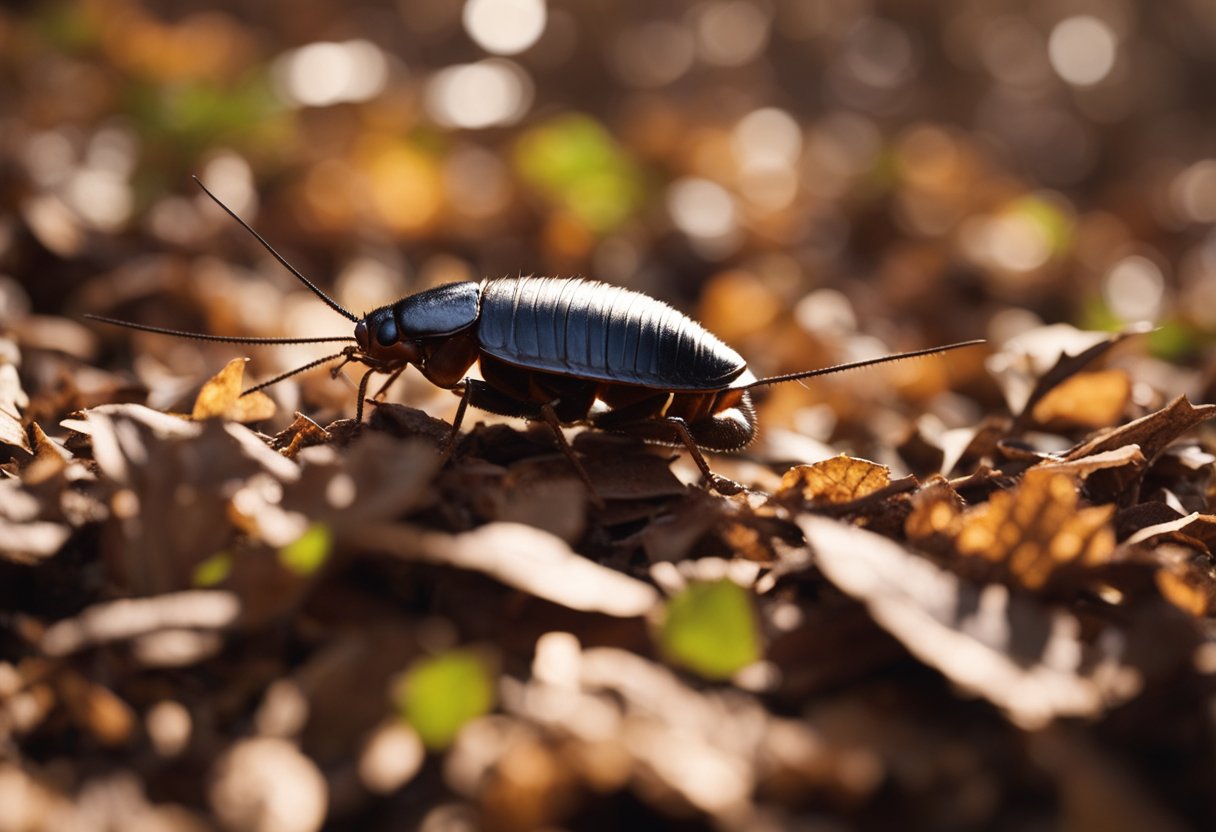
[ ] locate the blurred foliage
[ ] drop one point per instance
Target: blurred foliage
(439, 694)
(817, 181)
(308, 553)
(710, 628)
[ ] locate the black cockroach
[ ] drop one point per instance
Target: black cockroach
(564, 351)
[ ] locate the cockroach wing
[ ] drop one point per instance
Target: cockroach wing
(592, 330)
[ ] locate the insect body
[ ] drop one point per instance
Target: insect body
(560, 350)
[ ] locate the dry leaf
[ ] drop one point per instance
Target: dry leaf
(1086, 400)
(221, 397)
(96, 709)
(1025, 658)
(1037, 527)
(1152, 432)
(528, 559)
(936, 516)
(1127, 455)
(841, 479)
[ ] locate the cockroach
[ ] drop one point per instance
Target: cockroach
(565, 351)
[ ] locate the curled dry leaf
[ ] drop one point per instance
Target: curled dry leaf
(221, 397)
(1035, 362)
(1128, 455)
(1037, 527)
(1023, 657)
(841, 479)
(522, 557)
(1152, 432)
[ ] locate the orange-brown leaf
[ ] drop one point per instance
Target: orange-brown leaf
(840, 479)
(1086, 400)
(221, 397)
(937, 513)
(1152, 432)
(1037, 527)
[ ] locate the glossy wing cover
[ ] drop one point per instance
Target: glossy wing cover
(593, 330)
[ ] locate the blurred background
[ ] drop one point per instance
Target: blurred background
(817, 180)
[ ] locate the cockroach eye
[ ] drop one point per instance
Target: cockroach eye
(386, 333)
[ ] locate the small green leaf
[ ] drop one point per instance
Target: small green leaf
(710, 628)
(213, 571)
(439, 694)
(576, 163)
(307, 553)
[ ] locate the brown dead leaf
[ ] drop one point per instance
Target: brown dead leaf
(1186, 579)
(841, 479)
(1086, 400)
(1152, 432)
(12, 400)
(528, 559)
(96, 709)
(1038, 527)
(1002, 646)
(937, 515)
(221, 397)
(1128, 455)
(1034, 363)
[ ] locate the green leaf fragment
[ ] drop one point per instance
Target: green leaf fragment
(710, 628)
(439, 694)
(307, 553)
(213, 571)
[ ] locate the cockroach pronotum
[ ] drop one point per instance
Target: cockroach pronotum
(566, 351)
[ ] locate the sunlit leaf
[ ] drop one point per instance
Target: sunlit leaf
(439, 694)
(308, 553)
(1086, 400)
(1037, 527)
(841, 479)
(710, 628)
(221, 397)
(977, 634)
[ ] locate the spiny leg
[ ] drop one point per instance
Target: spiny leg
(449, 444)
(718, 483)
(550, 416)
(362, 392)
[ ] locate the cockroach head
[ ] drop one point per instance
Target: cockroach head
(380, 337)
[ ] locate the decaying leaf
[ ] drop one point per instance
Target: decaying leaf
(522, 557)
(1085, 400)
(221, 397)
(1128, 455)
(1187, 581)
(1152, 433)
(1025, 658)
(1038, 527)
(937, 515)
(1035, 362)
(841, 479)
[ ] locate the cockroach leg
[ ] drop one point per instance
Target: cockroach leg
(550, 416)
(718, 483)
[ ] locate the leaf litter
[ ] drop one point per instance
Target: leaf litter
(378, 623)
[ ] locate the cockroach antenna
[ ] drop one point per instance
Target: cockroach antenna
(333, 304)
(564, 351)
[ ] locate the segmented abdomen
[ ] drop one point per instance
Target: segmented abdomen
(594, 330)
